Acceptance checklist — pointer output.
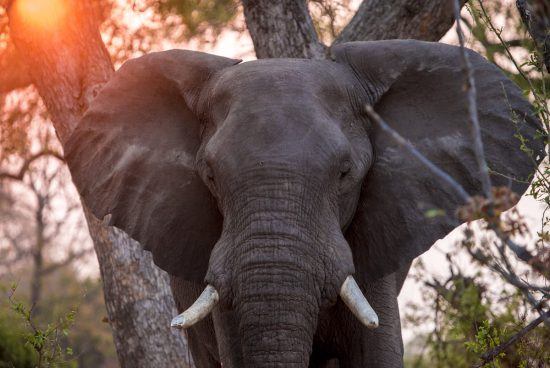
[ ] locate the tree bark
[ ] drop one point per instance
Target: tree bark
(139, 302)
(285, 29)
(426, 20)
(68, 64)
(536, 17)
(282, 28)
(14, 72)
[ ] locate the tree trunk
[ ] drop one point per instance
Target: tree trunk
(68, 64)
(282, 28)
(285, 29)
(139, 302)
(18, 75)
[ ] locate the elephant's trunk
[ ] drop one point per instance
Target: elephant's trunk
(277, 300)
(281, 259)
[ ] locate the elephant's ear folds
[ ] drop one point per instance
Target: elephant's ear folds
(418, 88)
(133, 156)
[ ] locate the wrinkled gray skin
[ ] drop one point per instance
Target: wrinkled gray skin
(266, 180)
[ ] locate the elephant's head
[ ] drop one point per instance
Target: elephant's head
(266, 180)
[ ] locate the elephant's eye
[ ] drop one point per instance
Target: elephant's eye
(210, 178)
(209, 174)
(345, 169)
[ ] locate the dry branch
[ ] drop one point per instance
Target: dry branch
(471, 93)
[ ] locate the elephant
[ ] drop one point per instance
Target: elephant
(270, 197)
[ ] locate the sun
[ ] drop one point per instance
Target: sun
(44, 15)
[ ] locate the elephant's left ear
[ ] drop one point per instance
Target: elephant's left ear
(132, 156)
(419, 89)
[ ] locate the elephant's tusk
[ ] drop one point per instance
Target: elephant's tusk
(357, 303)
(200, 309)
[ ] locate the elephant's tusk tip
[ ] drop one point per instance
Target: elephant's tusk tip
(179, 322)
(368, 318)
(358, 304)
(200, 309)
(372, 323)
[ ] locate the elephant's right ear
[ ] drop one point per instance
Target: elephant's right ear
(418, 88)
(133, 156)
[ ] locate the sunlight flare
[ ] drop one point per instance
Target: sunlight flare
(43, 15)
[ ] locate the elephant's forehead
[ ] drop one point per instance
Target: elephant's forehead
(285, 75)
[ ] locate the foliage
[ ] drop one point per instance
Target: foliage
(206, 19)
(471, 316)
(491, 40)
(90, 339)
(330, 17)
(13, 350)
(200, 16)
(46, 342)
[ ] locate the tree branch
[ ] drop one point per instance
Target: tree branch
(509, 277)
(19, 252)
(522, 253)
(471, 94)
(388, 19)
(23, 170)
(498, 34)
(493, 353)
(443, 176)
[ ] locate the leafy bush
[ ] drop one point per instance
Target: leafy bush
(30, 345)
(14, 353)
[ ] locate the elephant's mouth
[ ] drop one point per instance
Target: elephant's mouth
(349, 292)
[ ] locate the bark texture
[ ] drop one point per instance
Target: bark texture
(426, 20)
(285, 29)
(14, 73)
(139, 302)
(536, 17)
(282, 28)
(68, 64)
